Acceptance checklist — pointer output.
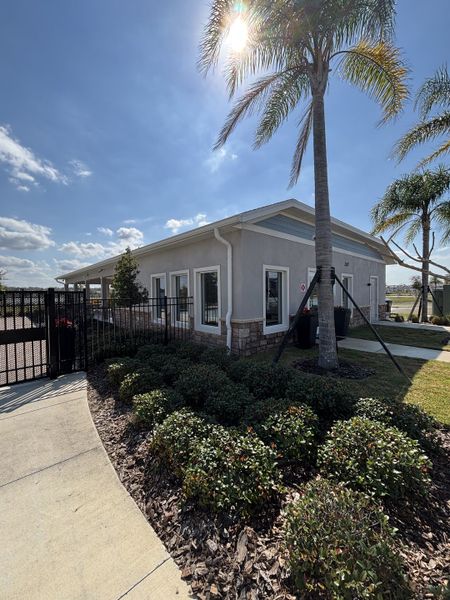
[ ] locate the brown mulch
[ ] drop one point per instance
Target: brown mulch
(346, 370)
(222, 558)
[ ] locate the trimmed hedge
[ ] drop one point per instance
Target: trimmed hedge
(369, 456)
(263, 380)
(228, 404)
(153, 407)
(329, 398)
(118, 368)
(219, 357)
(341, 546)
(232, 473)
(197, 383)
(292, 433)
(177, 437)
(409, 418)
(139, 382)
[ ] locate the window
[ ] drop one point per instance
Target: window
(276, 299)
(207, 299)
(179, 288)
(158, 293)
(347, 282)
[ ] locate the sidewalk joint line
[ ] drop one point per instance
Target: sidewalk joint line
(27, 412)
(142, 579)
(49, 466)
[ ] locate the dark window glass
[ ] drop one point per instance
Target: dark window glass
(346, 282)
(181, 292)
(159, 291)
(210, 298)
(274, 300)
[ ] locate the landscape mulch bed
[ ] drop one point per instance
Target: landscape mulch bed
(222, 558)
(346, 370)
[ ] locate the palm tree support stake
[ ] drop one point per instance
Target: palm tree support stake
(302, 306)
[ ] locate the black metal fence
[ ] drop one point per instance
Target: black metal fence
(117, 328)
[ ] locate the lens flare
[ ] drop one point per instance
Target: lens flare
(238, 34)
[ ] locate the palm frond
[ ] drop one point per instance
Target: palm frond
(443, 149)
(214, 33)
(442, 216)
(399, 220)
(246, 105)
(282, 99)
(413, 230)
(422, 133)
(305, 126)
(434, 92)
(378, 70)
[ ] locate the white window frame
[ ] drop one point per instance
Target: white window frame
(173, 289)
(152, 293)
(198, 325)
(377, 316)
(350, 276)
(284, 325)
(309, 277)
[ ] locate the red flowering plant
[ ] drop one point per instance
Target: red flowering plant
(63, 322)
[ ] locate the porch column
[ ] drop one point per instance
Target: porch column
(88, 290)
(66, 287)
(105, 287)
(75, 287)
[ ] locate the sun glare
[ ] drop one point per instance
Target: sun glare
(238, 34)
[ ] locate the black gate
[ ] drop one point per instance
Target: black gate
(42, 334)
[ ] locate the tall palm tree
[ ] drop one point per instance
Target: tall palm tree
(433, 94)
(415, 202)
(293, 44)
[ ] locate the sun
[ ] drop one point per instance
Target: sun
(238, 34)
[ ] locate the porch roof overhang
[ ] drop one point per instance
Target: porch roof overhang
(292, 207)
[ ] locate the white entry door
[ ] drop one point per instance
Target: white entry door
(373, 299)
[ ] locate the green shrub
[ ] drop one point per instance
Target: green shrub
(227, 404)
(149, 351)
(177, 437)
(414, 319)
(329, 398)
(219, 357)
(153, 407)
(119, 367)
(440, 320)
(232, 472)
(262, 380)
(257, 412)
(341, 546)
(292, 433)
(173, 367)
(139, 382)
(188, 350)
(198, 382)
(369, 456)
(409, 418)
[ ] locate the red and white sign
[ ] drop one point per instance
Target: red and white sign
(303, 287)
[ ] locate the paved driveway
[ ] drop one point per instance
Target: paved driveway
(68, 528)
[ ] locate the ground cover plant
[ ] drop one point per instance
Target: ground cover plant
(215, 453)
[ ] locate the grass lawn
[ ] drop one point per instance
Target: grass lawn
(405, 336)
(430, 387)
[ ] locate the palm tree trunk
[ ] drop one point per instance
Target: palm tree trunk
(327, 337)
(425, 265)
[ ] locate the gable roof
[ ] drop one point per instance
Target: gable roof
(289, 207)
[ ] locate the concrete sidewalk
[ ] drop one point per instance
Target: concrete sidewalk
(408, 325)
(68, 528)
(396, 349)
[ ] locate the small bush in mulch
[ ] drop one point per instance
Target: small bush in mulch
(262, 380)
(409, 418)
(177, 437)
(260, 410)
(173, 367)
(228, 404)
(232, 472)
(346, 370)
(153, 407)
(150, 351)
(292, 434)
(437, 320)
(198, 382)
(188, 350)
(369, 456)
(219, 357)
(139, 382)
(341, 546)
(329, 398)
(119, 367)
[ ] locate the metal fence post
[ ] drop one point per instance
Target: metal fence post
(52, 335)
(166, 322)
(85, 333)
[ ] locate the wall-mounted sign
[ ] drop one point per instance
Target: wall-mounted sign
(303, 287)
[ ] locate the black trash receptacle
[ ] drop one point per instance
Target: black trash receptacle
(306, 330)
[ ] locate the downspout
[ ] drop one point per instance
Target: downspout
(219, 238)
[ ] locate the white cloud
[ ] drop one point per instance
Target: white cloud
(18, 234)
(21, 272)
(16, 263)
(66, 265)
(176, 224)
(124, 237)
(218, 158)
(23, 164)
(105, 231)
(80, 169)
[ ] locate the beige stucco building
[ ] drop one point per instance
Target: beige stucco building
(248, 273)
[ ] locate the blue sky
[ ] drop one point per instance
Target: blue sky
(106, 130)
